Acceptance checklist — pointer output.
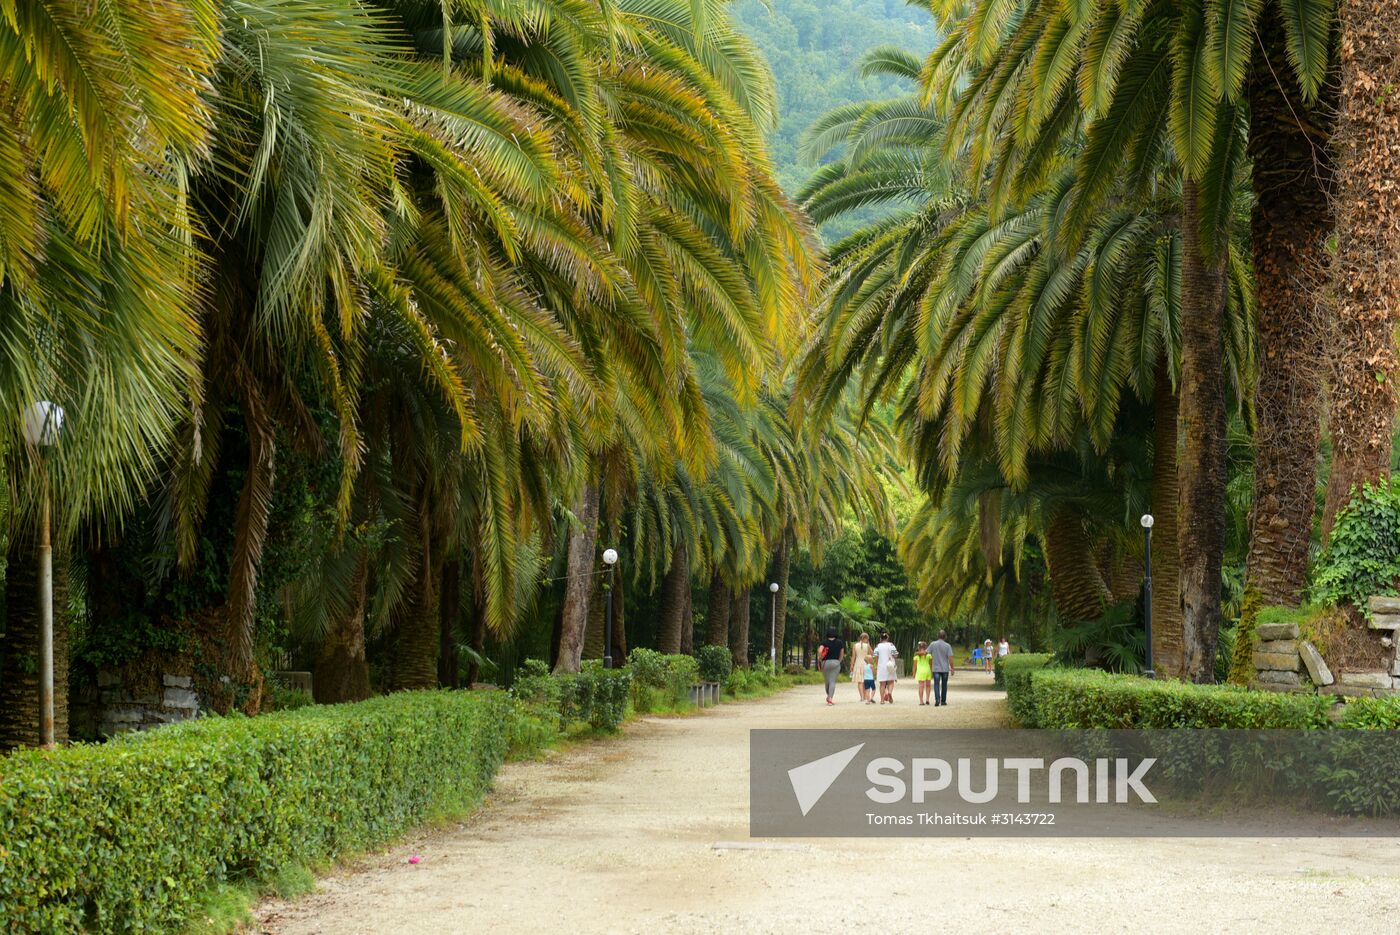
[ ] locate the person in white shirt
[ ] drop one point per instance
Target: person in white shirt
(885, 672)
(1003, 648)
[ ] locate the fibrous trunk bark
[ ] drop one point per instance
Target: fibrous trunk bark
(1290, 145)
(417, 644)
(341, 673)
(688, 621)
(739, 628)
(1076, 585)
(783, 566)
(1365, 275)
(1168, 656)
(578, 589)
(1202, 420)
(449, 622)
(675, 588)
(717, 617)
(249, 535)
(19, 675)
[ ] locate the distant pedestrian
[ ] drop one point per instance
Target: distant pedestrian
(941, 660)
(860, 652)
(831, 651)
(1003, 648)
(987, 655)
(923, 672)
(885, 671)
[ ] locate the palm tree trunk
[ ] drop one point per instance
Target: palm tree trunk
(19, 673)
(619, 632)
(675, 587)
(1076, 586)
(1366, 266)
(578, 588)
(717, 617)
(739, 628)
(597, 607)
(1202, 419)
(449, 620)
(419, 630)
(688, 620)
(341, 672)
(1168, 654)
(783, 565)
(249, 535)
(1290, 145)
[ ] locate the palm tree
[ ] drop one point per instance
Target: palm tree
(1365, 280)
(104, 115)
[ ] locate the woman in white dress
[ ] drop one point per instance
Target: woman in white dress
(859, 653)
(885, 671)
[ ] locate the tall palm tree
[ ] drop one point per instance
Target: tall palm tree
(1365, 274)
(103, 115)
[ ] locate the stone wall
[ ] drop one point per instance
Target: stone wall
(1283, 662)
(113, 708)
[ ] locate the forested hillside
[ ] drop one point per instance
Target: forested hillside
(814, 47)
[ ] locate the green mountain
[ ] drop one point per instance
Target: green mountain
(814, 48)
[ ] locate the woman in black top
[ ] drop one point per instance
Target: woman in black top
(831, 651)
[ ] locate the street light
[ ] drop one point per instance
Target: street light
(609, 559)
(42, 423)
(773, 626)
(1147, 522)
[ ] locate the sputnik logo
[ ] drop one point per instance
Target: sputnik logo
(811, 780)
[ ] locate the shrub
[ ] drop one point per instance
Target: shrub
(648, 667)
(594, 696)
(1013, 673)
(131, 834)
(657, 677)
(715, 663)
(737, 683)
(1362, 557)
(1085, 698)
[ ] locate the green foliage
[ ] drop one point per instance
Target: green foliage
(659, 678)
(594, 696)
(814, 47)
(1014, 673)
(134, 834)
(715, 663)
(287, 699)
(1116, 639)
(1362, 557)
(1064, 699)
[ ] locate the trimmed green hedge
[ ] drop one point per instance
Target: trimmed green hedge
(593, 696)
(1014, 672)
(658, 678)
(131, 834)
(1065, 699)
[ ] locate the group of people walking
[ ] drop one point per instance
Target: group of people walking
(873, 668)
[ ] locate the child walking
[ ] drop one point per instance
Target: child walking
(923, 672)
(867, 687)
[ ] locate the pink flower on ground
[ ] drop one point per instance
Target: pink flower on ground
(415, 859)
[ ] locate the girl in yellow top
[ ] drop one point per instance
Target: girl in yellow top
(923, 672)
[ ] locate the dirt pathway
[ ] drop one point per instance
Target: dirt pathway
(619, 836)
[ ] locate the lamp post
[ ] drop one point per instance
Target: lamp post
(1147, 522)
(42, 423)
(773, 625)
(609, 559)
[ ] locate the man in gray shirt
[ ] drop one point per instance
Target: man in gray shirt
(942, 654)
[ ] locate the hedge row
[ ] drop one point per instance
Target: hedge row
(593, 696)
(660, 678)
(131, 835)
(1013, 673)
(1040, 696)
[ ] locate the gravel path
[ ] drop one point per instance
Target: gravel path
(619, 835)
